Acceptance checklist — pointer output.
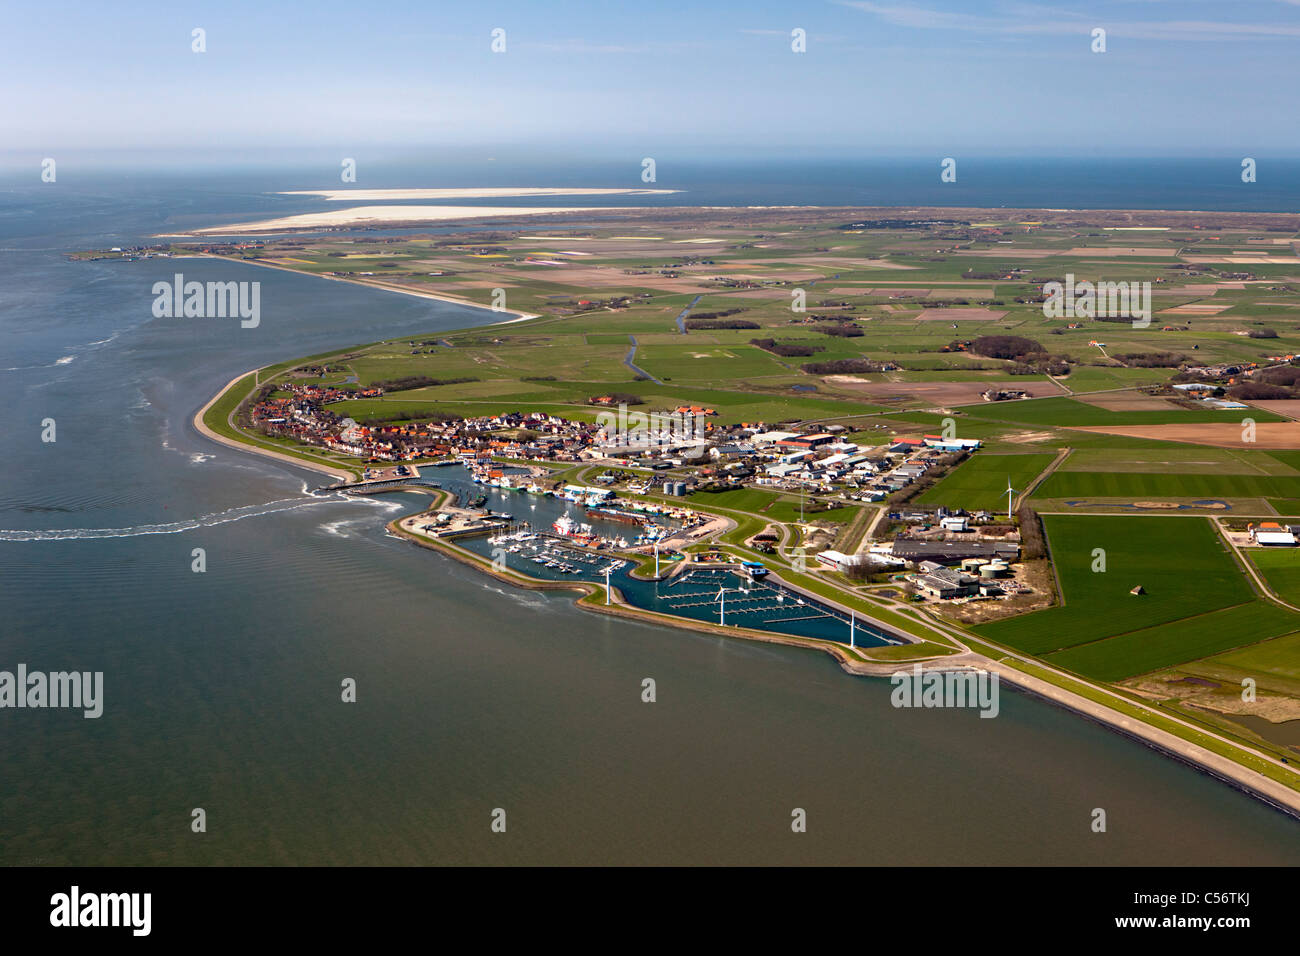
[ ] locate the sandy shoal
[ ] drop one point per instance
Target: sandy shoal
(372, 215)
(466, 192)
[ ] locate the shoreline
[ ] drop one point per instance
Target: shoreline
(1226, 769)
(1119, 219)
(201, 427)
(377, 217)
(519, 316)
(1197, 756)
(330, 194)
(622, 609)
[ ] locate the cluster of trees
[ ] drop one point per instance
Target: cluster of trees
(407, 382)
(1152, 359)
(1005, 346)
(716, 315)
(405, 415)
(1279, 375)
(1121, 319)
(844, 330)
(1281, 381)
(787, 349)
(702, 324)
(1257, 391)
(946, 303)
(620, 398)
(1033, 540)
(840, 366)
(1262, 333)
(1041, 365)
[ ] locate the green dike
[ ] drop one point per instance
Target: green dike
(857, 602)
(925, 650)
(217, 418)
(1239, 754)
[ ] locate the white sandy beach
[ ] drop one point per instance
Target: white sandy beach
(466, 192)
(369, 215)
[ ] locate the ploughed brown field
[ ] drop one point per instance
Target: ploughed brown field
(1282, 435)
(1126, 401)
(1289, 407)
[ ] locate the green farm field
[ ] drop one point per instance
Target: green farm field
(1278, 659)
(1281, 569)
(1068, 412)
(980, 482)
(1138, 486)
(1179, 561)
(1187, 639)
(1171, 458)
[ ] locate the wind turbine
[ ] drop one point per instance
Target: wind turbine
(722, 606)
(607, 570)
(1010, 492)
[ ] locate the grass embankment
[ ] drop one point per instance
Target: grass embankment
(1242, 755)
(218, 419)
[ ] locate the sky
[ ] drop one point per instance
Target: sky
(1177, 78)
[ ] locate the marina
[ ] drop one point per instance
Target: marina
(718, 594)
(561, 538)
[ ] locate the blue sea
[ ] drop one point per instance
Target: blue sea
(222, 687)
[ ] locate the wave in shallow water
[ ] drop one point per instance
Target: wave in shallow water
(171, 527)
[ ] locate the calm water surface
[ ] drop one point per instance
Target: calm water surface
(222, 688)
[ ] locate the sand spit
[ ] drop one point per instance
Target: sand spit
(466, 192)
(375, 215)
